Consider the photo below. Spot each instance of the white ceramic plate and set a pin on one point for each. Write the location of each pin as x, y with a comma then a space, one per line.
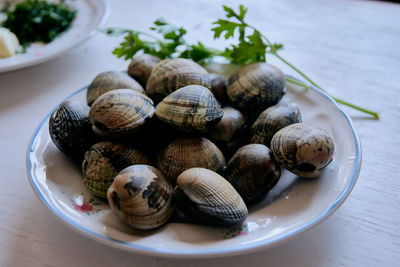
91, 14
292, 207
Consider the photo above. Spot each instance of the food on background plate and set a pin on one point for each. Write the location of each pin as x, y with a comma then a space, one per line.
34, 21
9, 44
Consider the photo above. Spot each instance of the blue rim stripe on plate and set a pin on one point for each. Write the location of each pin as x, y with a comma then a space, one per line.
201, 252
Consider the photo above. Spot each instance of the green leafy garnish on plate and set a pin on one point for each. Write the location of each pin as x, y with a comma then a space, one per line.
171, 44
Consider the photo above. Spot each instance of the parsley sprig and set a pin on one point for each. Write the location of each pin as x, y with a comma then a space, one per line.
171, 44
252, 46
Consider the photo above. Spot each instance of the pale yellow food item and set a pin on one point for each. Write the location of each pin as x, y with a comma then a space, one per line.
9, 43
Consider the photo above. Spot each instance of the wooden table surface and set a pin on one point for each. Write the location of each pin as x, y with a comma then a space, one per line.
350, 47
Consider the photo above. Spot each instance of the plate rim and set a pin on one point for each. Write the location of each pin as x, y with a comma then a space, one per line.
204, 253
103, 18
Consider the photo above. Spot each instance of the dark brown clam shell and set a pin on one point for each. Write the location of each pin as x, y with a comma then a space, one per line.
253, 172
70, 129
218, 87
272, 120
230, 125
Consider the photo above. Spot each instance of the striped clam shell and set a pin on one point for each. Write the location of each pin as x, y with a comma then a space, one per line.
120, 112
141, 67
272, 120
186, 153
206, 197
192, 108
303, 149
70, 129
110, 80
104, 160
172, 74
255, 87
253, 172
141, 196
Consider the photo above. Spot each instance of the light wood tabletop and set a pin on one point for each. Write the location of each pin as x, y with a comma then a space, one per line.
350, 47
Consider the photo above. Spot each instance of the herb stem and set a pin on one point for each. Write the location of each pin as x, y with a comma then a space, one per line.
305, 86
374, 114
273, 52
119, 31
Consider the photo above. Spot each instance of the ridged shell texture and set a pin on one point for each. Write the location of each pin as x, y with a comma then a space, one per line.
141, 196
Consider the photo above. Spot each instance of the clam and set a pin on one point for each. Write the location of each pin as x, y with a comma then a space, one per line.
255, 87
172, 74
253, 172
272, 120
186, 153
110, 80
141, 196
141, 67
104, 160
120, 112
218, 87
192, 108
206, 197
70, 129
230, 125
303, 149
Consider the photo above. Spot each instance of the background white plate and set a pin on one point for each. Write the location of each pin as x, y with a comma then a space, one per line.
292, 207
91, 14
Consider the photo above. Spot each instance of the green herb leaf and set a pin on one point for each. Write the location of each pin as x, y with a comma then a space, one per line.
242, 12
225, 26
171, 43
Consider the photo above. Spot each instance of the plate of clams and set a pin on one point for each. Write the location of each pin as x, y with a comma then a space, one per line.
174, 160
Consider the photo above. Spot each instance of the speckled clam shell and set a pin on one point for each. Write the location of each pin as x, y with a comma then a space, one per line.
172, 74
186, 153
253, 172
256, 86
141, 67
206, 197
192, 108
272, 120
230, 125
104, 160
70, 129
120, 112
110, 80
141, 196
303, 149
